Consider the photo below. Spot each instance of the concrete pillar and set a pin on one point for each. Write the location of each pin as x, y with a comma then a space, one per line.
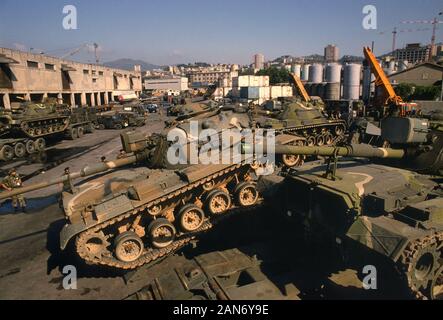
92, 99
106, 97
83, 99
27, 96
72, 99
60, 97
7, 101
99, 99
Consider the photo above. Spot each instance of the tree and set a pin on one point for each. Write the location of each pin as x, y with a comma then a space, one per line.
426, 93
404, 90
409, 91
276, 75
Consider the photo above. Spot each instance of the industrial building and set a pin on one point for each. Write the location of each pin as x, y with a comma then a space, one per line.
424, 74
206, 78
166, 84
259, 61
26, 76
413, 53
331, 53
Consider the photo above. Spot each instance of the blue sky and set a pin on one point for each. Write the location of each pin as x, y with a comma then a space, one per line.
174, 31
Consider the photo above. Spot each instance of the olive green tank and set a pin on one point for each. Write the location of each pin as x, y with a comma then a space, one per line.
33, 120
392, 205
143, 207
303, 119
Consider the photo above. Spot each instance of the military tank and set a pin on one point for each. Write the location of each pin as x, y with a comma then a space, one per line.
24, 128
304, 120
150, 207
180, 110
218, 275
393, 207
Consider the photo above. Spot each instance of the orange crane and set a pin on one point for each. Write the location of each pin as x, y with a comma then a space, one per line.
300, 87
388, 95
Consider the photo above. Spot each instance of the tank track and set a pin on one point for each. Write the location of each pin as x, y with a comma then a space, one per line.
299, 130
409, 258
151, 255
44, 127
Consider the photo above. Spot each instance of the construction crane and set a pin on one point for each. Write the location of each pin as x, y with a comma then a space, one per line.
396, 31
388, 96
300, 87
434, 23
83, 46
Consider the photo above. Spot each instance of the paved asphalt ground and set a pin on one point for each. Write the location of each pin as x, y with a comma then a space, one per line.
31, 262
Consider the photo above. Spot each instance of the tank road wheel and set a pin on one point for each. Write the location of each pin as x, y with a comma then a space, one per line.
80, 132
290, 160
320, 140
339, 130
329, 139
40, 144
73, 133
118, 126
101, 127
190, 218
218, 202
20, 150
128, 246
6, 153
30, 147
310, 141
162, 232
246, 194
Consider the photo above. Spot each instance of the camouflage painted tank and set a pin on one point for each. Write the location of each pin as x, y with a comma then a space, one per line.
191, 109
395, 212
23, 129
306, 120
33, 120
138, 214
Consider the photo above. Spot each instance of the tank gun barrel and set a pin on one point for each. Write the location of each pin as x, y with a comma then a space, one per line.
86, 171
354, 150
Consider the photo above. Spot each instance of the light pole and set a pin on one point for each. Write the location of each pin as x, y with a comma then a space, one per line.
441, 89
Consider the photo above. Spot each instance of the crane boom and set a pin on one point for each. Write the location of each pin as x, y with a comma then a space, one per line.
300, 87
381, 80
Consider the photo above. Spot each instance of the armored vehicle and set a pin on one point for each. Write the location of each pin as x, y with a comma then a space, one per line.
395, 212
188, 109
304, 120
119, 120
150, 207
23, 129
81, 120
218, 275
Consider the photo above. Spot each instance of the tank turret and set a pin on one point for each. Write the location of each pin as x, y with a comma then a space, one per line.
141, 207
392, 211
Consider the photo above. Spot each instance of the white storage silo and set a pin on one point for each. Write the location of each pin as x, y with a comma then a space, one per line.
316, 73
296, 69
333, 72
305, 73
351, 81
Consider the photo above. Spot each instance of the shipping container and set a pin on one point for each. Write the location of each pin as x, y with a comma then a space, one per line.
250, 92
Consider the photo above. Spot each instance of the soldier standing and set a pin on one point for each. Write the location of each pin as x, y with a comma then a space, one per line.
13, 181
67, 186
